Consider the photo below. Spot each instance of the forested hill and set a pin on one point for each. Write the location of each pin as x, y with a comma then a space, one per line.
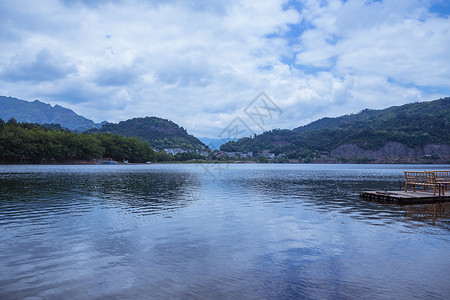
380, 116
32, 143
160, 133
412, 125
43, 113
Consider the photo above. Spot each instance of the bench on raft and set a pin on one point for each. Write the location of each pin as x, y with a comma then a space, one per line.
435, 179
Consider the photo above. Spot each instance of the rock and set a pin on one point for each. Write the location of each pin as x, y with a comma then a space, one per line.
391, 149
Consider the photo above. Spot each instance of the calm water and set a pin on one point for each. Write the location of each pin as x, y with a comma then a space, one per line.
217, 232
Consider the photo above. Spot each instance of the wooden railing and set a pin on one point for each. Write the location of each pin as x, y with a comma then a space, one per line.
443, 178
439, 180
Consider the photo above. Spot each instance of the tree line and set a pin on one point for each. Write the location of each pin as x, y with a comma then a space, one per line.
33, 143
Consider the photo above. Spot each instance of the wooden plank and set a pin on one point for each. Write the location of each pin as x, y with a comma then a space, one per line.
404, 197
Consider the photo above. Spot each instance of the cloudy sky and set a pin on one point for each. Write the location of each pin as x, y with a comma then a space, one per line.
200, 63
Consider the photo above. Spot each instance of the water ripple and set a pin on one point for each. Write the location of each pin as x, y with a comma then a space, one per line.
254, 232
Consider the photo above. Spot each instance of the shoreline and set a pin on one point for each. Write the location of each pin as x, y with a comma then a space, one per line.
316, 162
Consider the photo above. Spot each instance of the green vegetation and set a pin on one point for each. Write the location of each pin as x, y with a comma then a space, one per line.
416, 124
160, 133
32, 143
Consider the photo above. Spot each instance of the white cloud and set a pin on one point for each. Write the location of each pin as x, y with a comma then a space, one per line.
399, 40
43, 66
199, 63
410, 51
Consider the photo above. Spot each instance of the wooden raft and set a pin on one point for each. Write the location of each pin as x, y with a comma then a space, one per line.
437, 181
404, 197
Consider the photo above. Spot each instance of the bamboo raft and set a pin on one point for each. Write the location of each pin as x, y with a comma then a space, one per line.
435, 184
417, 197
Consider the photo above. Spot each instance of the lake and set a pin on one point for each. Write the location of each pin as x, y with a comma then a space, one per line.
238, 231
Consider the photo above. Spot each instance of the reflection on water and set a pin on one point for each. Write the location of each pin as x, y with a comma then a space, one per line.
337, 191
255, 232
145, 193
38, 193
430, 213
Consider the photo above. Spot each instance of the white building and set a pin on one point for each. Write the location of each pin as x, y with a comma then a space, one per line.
174, 151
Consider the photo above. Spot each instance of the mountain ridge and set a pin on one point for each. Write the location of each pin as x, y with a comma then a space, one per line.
413, 125
43, 113
364, 115
160, 133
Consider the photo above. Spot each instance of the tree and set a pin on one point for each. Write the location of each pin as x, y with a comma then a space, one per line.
12, 121
20, 142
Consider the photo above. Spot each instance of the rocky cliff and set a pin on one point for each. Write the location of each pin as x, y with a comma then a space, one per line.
391, 149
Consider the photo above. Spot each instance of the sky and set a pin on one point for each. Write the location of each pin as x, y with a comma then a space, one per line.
203, 63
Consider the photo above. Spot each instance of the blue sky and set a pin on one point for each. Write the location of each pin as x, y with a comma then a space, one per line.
200, 63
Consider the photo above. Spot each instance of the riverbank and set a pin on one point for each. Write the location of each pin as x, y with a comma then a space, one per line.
361, 161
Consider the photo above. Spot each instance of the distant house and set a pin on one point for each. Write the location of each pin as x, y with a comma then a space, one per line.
267, 154
248, 154
233, 154
324, 154
174, 151
204, 153
238, 154
220, 154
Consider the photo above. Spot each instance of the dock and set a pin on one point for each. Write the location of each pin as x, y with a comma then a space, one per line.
410, 197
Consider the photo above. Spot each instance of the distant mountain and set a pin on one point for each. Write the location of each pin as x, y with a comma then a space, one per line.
160, 133
412, 125
43, 113
215, 143
372, 115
